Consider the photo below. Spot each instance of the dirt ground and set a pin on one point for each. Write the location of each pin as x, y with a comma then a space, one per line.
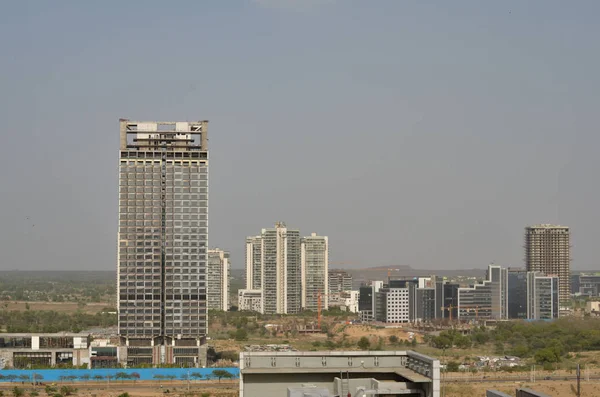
63, 307
357, 331
225, 388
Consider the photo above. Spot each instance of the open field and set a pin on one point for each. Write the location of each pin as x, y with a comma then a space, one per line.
224, 388
61, 307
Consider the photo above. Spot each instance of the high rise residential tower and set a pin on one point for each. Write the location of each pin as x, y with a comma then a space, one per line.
315, 260
218, 279
548, 250
339, 281
162, 239
276, 255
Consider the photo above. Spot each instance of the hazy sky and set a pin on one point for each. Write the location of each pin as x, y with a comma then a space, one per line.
421, 133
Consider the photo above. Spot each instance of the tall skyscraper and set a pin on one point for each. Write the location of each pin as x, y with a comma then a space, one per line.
315, 264
162, 239
218, 279
279, 263
548, 250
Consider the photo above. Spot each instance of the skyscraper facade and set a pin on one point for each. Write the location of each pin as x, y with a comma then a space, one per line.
162, 234
314, 267
548, 250
254, 262
517, 294
218, 276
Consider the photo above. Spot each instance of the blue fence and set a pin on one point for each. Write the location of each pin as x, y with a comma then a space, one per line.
99, 374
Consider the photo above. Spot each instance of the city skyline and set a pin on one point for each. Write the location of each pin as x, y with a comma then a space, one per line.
428, 135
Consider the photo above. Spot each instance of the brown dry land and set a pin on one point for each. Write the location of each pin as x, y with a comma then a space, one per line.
63, 307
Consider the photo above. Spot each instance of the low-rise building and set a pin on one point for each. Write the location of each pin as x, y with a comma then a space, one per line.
592, 308
250, 300
44, 350
346, 300
339, 373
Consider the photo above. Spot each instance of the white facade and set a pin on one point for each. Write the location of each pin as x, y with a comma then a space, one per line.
218, 279
250, 300
314, 260
346, 300
397, 305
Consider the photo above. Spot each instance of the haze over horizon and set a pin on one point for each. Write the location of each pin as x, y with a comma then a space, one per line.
425, 134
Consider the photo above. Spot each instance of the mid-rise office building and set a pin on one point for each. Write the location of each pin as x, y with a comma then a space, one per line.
280, 268
485, 300
548, 250
367, 300
250, 300
314, 259
425, 304
162, 239
517, 293
218, 279
589, 284
543, 294
339, 281
451, 301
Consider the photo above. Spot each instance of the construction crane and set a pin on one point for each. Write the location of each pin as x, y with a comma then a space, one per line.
470, 309
319, 296
449, 308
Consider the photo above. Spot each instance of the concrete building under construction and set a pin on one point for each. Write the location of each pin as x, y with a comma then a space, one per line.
162, 241
548, 250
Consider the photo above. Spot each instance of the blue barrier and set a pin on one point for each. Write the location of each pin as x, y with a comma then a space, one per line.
75, 375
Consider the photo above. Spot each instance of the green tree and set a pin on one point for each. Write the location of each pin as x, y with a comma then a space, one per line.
241, 335
364, 343
98, 377
85, 377
67, 390
547, 355
221, 373
452, 366
121, 375
171, 377
393, 339
196, 375
18, 392
124, 394
135, 376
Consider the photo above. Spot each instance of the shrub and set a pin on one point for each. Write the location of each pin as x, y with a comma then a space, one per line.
18, 392
364, 343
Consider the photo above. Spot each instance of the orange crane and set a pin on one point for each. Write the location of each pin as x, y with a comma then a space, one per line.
472, 308
320, 296
449, 308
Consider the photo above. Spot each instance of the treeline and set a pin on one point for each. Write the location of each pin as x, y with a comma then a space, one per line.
57, 286
546, 342
49, 321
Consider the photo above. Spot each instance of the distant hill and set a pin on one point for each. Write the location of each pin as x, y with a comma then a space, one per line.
360, 276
